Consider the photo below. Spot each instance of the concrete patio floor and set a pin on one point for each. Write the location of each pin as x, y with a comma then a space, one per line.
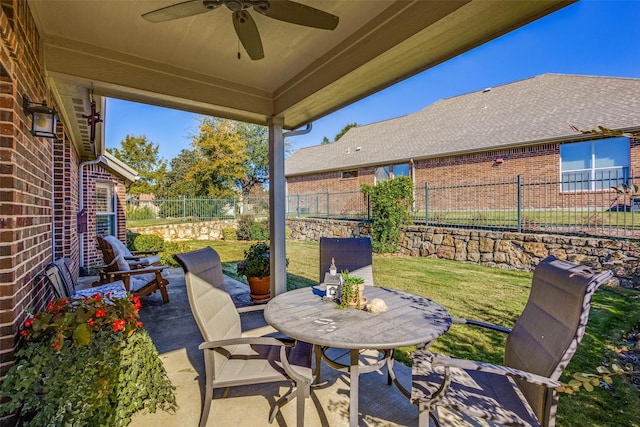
176, 336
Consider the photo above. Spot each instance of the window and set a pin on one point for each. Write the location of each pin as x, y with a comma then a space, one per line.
382, 173
349, 174
105, 213
594, 165
401, 170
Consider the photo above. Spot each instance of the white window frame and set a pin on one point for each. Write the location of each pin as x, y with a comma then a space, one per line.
595, 183
111, 213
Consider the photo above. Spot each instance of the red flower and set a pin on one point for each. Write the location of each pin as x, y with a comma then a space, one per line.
138, 324
101, 312
91, 322
118, 325
97, 296
136, 303
28, 322
50, 306
25, 334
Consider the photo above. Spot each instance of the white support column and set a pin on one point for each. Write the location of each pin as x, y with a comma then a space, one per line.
277, 204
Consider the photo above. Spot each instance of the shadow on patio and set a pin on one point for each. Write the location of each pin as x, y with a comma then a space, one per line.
176, 336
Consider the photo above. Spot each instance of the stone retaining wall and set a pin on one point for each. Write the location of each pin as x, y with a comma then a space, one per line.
312, 229
508, 250
206, 230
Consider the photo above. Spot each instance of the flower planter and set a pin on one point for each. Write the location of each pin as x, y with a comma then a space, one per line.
260, 289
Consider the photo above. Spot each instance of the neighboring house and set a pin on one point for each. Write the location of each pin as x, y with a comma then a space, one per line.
525, 128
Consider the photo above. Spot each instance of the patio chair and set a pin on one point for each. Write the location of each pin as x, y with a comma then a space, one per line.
111, 247
138, 281
350, 253
59, 276
232, 359
538, 348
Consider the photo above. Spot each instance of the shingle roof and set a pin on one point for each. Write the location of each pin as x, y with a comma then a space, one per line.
531, 111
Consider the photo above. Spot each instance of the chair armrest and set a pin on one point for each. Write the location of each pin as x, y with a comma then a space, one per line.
140, 254
461, 321
210, 345
471, 365
152, 269
250, 308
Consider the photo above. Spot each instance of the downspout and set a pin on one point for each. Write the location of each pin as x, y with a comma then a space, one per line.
413, 180
81, 203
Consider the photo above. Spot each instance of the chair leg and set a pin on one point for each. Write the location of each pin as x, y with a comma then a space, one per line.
424, 414
208, 394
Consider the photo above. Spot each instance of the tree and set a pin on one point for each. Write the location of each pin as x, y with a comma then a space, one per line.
256, 166
339, 135
174, 184
142, 155
221, 156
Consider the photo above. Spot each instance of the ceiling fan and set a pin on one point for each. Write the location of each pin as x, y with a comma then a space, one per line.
245, 26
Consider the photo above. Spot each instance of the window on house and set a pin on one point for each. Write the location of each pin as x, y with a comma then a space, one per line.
594, 165
382, 173
350, 174
401, 170
105, 212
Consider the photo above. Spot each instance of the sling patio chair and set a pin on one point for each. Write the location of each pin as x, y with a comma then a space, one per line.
231, 358
355, 255
350, 253
138, 281
59, 276
545, 337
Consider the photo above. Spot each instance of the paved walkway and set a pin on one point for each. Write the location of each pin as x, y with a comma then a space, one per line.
176, 336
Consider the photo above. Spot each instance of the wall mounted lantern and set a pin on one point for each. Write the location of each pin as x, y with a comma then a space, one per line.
43, 121
499, 160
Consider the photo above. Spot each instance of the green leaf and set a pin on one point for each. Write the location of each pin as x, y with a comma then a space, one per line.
81, 335
587, 386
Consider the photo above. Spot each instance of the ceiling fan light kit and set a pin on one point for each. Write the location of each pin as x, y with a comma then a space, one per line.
243, 23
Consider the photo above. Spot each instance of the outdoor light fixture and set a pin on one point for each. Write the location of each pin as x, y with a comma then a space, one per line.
499, 160
43, 121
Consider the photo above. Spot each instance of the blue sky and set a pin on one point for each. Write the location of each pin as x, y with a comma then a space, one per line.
591, 37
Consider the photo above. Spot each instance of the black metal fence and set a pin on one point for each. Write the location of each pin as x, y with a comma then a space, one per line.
518, 204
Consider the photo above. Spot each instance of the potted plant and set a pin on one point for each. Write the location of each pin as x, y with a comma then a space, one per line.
256, 268
351, 291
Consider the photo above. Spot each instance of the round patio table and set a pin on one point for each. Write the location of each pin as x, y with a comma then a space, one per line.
410, 320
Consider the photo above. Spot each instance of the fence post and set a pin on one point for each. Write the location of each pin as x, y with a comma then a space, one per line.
519, 203
184, 208
328, 208
426, 203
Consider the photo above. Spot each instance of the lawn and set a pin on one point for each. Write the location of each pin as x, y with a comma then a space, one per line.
496, 296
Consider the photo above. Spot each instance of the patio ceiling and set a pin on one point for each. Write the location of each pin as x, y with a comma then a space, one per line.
191, 63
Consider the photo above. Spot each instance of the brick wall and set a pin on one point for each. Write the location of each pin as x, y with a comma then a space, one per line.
95, 173
25, 178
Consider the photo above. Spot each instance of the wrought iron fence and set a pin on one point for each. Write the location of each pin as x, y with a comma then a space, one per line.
518, 204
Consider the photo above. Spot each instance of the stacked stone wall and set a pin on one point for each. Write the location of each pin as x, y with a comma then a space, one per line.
507, 250
206, 230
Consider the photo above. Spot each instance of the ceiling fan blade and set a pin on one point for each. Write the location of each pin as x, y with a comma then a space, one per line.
247, 32
297, 13
181, 10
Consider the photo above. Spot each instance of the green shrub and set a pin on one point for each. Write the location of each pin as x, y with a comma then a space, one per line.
229, 234
85, 362
390, 202
147, 242
139, 212
259, 231
171, 248
243, 231
130, 237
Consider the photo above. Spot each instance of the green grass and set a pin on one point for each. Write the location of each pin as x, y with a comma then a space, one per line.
496, 296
